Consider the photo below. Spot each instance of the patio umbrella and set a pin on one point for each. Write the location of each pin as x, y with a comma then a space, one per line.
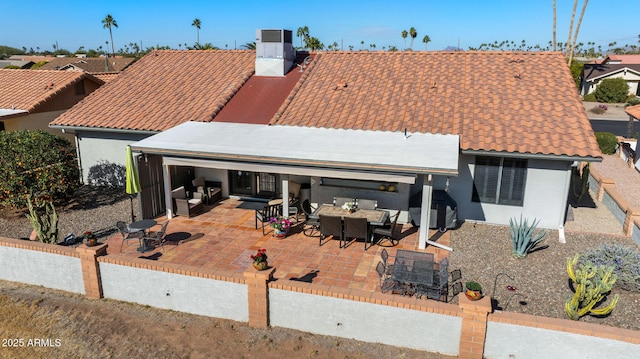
132, 181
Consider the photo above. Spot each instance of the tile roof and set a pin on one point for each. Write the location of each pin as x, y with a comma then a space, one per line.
106, 76
524, 102
633, 111
27, 89
593, 71
624, 59
90, 64
164, 89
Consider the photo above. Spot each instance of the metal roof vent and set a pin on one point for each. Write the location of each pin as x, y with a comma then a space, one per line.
274, 52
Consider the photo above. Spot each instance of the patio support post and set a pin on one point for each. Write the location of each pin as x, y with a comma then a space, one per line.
425, 211
91, 269
285, 195
258, 289
166, 177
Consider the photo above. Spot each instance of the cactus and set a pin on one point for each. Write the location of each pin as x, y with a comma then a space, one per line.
579, 190
592, 284
522, 237
45, 224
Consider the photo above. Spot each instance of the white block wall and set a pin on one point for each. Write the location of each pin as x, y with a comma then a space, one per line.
202, 296
523, 342
365, 321
41, 268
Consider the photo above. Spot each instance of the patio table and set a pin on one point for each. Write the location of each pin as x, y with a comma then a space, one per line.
413, 268
375, 217
143, 225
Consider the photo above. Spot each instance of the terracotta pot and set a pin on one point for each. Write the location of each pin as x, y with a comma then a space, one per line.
473, 294
92, 242
260, 265
280, 233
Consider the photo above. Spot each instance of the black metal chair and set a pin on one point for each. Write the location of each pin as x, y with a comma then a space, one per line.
126, 234
386, 283
265, 214
392, 232
314, 223
157, 237
356, 228
385, 260
330, 226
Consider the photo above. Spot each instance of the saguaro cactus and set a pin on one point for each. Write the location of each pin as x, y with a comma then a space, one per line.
592, 284
43, 218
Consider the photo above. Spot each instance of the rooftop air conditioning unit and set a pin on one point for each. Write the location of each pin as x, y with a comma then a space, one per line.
274, 52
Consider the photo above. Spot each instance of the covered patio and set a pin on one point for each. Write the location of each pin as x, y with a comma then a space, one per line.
223, 238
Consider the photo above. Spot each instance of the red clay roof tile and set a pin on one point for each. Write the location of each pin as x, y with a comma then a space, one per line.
530, 97
164, 89
633, 111
26, 89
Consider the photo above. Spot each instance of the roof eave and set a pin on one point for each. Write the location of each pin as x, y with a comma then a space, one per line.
537, 156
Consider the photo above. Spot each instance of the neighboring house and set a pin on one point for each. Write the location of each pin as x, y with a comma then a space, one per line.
593, 74
346, 122
30, 99
20, 63
613, 59
91, 65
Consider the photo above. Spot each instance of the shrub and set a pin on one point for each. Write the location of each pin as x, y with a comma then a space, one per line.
607, 141
612, 90
524, 236
624, 260
38, 162
633, 100
591, 97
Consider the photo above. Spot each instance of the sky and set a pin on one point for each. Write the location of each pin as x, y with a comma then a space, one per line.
230, 24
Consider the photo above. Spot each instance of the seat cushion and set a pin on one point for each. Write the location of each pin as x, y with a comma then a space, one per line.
195, 201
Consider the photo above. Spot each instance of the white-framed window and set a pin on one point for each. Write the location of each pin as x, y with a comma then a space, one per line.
499, 180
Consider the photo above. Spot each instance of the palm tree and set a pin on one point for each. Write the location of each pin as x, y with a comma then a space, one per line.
413, 33
575, 35
197, 24
362, 45
404, 34
303, 34
573, 16
249, 45
426, 39
554, 25
109, 22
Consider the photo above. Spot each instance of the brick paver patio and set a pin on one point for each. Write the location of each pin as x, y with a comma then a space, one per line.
224, 237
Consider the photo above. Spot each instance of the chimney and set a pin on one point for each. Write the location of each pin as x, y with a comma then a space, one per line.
274, 52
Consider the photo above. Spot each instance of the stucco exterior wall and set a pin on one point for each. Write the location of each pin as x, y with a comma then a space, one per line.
94, 147
365, 321
37, 121
202, 296
631, 78
525, 342
49, 270
545, 195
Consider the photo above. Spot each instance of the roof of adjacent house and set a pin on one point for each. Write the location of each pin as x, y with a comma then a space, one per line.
27, 89
522, 102
623, 59
90, 64
594, 71
164, 89
633, 111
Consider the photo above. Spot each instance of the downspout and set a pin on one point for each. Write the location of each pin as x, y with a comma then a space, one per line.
563, 217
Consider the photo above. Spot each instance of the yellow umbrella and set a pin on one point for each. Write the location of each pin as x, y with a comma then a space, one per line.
132, 181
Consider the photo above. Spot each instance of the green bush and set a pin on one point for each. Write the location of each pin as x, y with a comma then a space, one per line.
591, 97
607, 141
38, 162
612, 91
625, 261
633, 100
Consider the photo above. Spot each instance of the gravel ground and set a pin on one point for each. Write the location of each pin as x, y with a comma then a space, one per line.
482, 252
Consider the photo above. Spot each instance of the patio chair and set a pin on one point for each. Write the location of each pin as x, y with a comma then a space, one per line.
391, 232
366, 204
330, 226
184, 205
126, 234
385, 260
314, 223
439, 291
211, 191
157, 237
386, 283
265, 214
339, 201
357, 228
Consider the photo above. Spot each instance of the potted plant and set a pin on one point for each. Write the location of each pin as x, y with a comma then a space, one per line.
280, 226
473, 290
89, 239
260, 259
349, 206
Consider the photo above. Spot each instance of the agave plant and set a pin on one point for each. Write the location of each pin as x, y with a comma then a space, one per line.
524, 236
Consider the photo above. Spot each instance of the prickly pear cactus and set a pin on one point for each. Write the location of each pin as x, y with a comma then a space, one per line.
592, 284
43, 218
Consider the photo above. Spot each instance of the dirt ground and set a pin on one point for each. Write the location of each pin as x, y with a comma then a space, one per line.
37, 322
